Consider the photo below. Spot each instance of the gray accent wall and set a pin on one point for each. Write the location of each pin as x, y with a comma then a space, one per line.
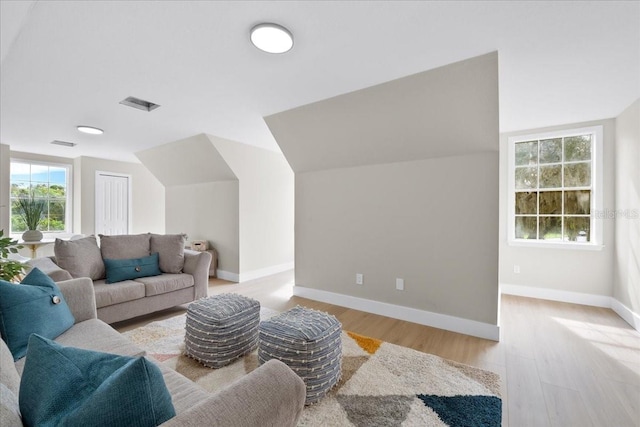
431, 222
626, 268
400, 180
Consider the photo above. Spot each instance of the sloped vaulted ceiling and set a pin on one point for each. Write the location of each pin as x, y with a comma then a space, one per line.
436, 113
192, 160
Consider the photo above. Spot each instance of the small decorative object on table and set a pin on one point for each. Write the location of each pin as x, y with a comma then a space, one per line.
309, 342
221, 328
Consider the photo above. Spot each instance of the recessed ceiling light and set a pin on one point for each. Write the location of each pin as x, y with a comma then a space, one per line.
90, 129
271, 38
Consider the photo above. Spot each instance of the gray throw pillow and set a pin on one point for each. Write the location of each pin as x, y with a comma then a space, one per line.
81, 257
125, 246
170, 248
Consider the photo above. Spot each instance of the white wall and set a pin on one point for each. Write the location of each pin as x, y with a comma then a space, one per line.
571, 270
148, 213
207, 211
626, 283
266, 209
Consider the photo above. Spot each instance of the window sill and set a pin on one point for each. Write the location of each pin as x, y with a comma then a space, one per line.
557, 245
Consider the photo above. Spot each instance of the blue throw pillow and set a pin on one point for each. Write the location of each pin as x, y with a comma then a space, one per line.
127, 269
74, 387
34, 306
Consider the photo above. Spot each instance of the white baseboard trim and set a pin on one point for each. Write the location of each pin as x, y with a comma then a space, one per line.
626, 313
227, 275
267, 271
620, 309
556, 295
436, 320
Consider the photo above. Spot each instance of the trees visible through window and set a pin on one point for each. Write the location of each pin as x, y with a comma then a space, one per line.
553, 187
47, 182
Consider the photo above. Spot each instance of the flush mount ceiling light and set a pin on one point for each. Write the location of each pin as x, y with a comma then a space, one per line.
90, 130
271, 38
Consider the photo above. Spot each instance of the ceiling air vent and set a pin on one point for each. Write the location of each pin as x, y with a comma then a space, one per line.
138, 103
64, 143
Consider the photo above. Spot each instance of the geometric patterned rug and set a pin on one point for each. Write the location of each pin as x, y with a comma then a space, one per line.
382, 384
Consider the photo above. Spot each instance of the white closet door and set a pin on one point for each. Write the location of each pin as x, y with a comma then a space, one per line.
113, 214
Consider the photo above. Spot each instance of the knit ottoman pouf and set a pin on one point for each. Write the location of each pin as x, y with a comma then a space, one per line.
309, 342
221, 328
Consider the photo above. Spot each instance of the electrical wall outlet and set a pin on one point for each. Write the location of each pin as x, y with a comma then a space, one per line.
359, 279
400, 284
516, 269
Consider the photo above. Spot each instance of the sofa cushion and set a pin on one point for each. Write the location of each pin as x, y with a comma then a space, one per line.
35, 306
95, 335
81, 257
166, 283
115, 293
170, 248
9, 388
127, 269
76, 387
125, 246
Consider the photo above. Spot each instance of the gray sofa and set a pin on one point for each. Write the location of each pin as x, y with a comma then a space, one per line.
272, 395
184, 278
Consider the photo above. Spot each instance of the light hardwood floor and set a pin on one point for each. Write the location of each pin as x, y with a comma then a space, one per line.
561, 364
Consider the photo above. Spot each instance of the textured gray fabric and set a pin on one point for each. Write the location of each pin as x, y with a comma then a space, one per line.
81, 258
184, 392
125, 246
9, 389
96, 335
114, 293
197, 264
310, 343
80, 298
221, 328
9, 407
271, 395
8, 374
50, 268
138, 307
170, 248
156, 285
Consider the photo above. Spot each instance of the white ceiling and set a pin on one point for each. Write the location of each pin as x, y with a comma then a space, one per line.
65, 63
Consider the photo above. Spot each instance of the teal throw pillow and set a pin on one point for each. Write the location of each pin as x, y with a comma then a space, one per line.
71, 387
127, 269
36, 306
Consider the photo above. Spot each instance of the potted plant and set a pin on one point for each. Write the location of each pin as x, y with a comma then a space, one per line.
9, 269
31, 210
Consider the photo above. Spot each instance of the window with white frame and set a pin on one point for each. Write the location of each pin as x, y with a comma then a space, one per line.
47, 182
555, 187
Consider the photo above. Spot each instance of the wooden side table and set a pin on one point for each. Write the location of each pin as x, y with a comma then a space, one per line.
214, 262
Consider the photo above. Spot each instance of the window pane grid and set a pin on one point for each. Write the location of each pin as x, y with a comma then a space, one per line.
44, 182
557, 169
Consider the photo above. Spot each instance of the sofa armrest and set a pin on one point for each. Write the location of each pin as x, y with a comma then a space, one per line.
80, 298
48, 266
197, 264
271, 395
